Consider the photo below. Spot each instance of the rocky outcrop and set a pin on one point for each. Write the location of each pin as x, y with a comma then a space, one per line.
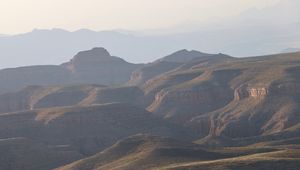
99, 67
259, 92
255, 92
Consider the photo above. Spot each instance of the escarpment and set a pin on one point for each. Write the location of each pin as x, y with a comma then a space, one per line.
181, 105
202, 94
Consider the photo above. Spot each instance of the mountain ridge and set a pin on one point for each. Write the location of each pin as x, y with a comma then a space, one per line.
242, 112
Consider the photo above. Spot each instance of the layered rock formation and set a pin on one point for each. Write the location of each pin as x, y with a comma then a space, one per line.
37, 97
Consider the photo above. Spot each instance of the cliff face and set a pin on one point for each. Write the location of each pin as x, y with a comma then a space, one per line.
245, 91
256, 92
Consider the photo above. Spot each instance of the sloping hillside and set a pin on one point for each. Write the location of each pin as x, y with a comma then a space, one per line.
95, 66
36, 97
26, 154
247, 97
143, 152
152, 152
86, 129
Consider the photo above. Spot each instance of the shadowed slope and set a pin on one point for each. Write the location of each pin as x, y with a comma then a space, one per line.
142, 152
87, 129
151, 152
277, 160
25, 154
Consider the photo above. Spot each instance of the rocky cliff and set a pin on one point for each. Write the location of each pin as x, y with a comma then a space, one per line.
256, 92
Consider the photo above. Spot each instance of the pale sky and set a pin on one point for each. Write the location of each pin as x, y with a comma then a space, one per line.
18, 16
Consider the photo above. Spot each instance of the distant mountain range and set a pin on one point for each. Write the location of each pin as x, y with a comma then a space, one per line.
255, 32
55, 46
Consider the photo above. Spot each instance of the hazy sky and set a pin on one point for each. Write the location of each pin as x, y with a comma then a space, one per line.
18, 16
